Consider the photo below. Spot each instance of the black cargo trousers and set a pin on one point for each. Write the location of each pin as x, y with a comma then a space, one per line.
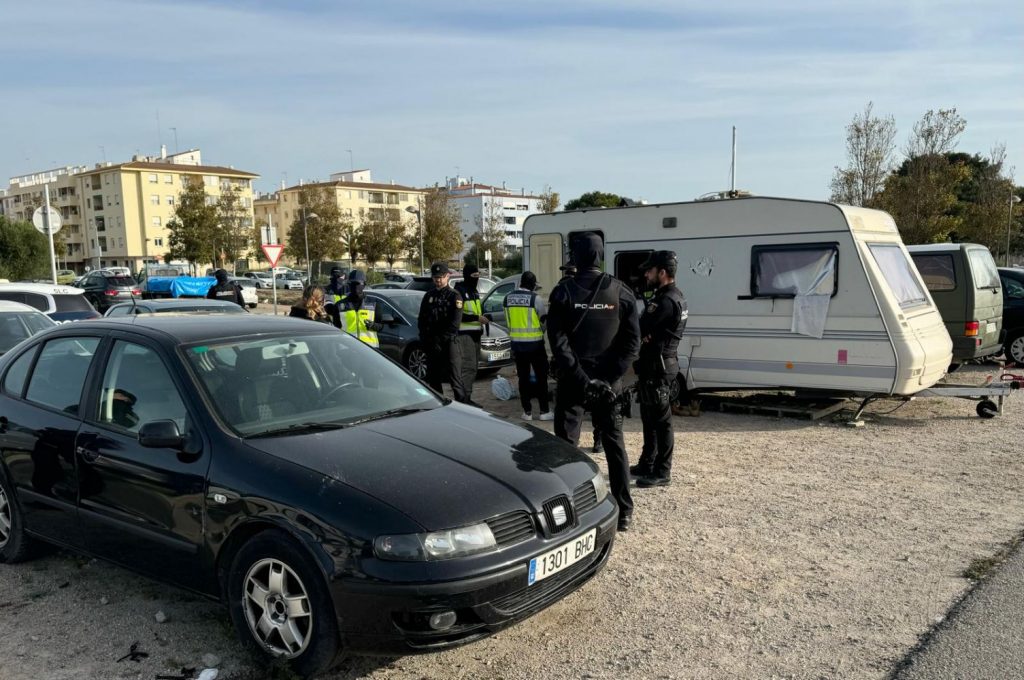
444, 363
569, 402
653, 392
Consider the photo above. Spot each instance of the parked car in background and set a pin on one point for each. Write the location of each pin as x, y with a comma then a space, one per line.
289, 281
399, 311
493, 303
66, 276
104, 288
964, 283
262, 279
398, 277
60, 303
298, 476
174, 306
248, 287
119, 271
19, 322
425, 283
1012, 279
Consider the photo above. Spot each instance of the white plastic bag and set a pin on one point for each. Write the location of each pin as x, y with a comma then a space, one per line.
503, 389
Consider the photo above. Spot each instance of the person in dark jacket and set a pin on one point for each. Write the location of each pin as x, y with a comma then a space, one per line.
225, 290
354, 314
661, 328
472, 326
311, 306
595, 337
568, 272
439, 321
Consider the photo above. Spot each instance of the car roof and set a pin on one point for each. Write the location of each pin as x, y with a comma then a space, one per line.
8, 306
942, 247
186, 329
44, 288
181, 302
394, 292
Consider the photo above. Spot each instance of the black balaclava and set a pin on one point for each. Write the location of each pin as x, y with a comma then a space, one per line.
221, 276
528, 281
357, 289
587, 251
468, 280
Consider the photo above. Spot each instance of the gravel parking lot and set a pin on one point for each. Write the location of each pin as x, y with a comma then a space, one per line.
784, 548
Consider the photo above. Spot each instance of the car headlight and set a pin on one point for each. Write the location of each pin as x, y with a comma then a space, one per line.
437, 545
600, 487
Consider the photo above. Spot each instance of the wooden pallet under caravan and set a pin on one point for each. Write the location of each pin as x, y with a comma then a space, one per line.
782, 293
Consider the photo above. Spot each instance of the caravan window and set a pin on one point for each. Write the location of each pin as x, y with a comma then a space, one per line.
627, 269
898, 273
936, 270
788, 271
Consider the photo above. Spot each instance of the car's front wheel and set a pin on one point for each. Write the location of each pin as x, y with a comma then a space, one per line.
280, 605
14, 544
416, 362
1015, 349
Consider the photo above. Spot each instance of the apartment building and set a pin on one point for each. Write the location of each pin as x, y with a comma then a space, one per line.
484, 205
356, 193
117, 214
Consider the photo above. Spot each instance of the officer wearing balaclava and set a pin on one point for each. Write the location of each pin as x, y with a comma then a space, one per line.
336, 288
594, 334
355, 314
471, 328
225, 290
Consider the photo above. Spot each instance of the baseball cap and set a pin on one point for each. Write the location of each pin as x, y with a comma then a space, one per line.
439, 269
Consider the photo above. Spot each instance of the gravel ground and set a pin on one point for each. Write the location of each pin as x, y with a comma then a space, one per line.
784, 548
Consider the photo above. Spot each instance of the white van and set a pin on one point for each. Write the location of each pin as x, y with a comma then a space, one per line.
782, 293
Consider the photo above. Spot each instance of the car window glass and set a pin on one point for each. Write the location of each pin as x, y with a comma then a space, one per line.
14, 328
983, 268
38, 301
119, 311
37, 322
384, 308
119, 281
936, 271
138, 389
1012, 288
13, 296
14, 381
60, 372
409, 305
496, 299
72, 303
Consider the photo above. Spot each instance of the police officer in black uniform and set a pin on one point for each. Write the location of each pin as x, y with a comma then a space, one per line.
225, 290
472, 326
661, 327
336, 289
439, 320
595, 336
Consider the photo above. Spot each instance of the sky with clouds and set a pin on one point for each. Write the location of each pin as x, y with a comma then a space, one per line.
635, 98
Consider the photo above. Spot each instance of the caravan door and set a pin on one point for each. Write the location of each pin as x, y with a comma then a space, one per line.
546, 258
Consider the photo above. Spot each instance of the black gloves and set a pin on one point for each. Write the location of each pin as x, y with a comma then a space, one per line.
599, 394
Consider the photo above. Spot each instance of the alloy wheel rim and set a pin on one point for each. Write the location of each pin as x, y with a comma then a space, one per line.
5, 519
277, 608
418, 364
1017, 349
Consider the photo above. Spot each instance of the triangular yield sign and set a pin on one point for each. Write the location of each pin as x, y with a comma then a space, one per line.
273, 252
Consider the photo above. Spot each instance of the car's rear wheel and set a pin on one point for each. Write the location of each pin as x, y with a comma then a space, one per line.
1015, 349
280, 604
15, 546
416, 361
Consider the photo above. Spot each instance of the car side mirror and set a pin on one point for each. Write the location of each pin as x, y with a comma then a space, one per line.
161, 434
388, 318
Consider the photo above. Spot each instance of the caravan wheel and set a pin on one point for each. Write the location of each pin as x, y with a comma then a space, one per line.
987, 408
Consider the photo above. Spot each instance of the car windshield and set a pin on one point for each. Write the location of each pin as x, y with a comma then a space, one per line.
16, 326
303, 382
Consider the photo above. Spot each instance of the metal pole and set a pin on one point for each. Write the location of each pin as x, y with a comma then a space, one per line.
733, 187
49, 232
305, 235
273, 270
419, 220
1009, 225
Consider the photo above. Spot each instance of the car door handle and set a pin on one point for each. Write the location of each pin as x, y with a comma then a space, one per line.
87, 454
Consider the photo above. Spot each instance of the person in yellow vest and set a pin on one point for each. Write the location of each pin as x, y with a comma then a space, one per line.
471, 327
355, 314
526, 312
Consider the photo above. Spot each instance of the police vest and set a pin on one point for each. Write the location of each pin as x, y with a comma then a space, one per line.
593, 318
356, 321
523, 320
225, 292
470, 305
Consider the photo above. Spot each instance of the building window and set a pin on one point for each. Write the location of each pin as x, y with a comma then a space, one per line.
97, 202
88, 203
362, 195
158, 242
510, 220
154, 199
117, 199
106, 178
156, 221
152, 178
101, 224
376, 197
120, 243
103, 243
168, 179
522, 206
170, 200
404, 198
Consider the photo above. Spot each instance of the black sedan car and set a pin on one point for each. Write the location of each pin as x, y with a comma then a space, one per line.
103, 289
1012, 279
334, 502
399, 311
174, 306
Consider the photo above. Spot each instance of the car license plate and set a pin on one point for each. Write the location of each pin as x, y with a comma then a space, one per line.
500, 356
990, 328
565, 555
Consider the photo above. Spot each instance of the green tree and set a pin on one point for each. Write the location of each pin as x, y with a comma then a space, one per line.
234, 232
193, 229
594, 199
24, 252
870, 143
442, 239
549, 200
319, 219
381, 235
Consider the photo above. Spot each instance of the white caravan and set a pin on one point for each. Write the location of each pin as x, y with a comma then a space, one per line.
782, 293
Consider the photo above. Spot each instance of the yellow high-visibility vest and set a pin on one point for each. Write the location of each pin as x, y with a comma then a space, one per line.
355, 322
523, 319
471, 307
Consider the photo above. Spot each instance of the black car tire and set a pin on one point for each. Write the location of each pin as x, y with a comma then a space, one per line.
1015, 355
415, 361
17, 546
301, 575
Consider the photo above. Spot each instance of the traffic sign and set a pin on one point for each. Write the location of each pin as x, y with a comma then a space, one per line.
273, 252
55, 223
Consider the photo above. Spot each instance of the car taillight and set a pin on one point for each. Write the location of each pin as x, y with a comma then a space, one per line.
136, 291
110, 292
971, 329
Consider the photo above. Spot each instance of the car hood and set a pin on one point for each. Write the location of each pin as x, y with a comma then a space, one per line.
448, 467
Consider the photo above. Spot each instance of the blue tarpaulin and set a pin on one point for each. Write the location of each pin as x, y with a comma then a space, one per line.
191, 286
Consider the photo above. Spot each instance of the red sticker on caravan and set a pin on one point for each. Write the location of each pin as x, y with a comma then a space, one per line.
842, 356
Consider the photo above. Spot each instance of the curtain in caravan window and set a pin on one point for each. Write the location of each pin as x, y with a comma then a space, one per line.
806, 274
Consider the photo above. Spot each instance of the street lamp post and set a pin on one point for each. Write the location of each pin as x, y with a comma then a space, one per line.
305, 235
1014, 198
419, 222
